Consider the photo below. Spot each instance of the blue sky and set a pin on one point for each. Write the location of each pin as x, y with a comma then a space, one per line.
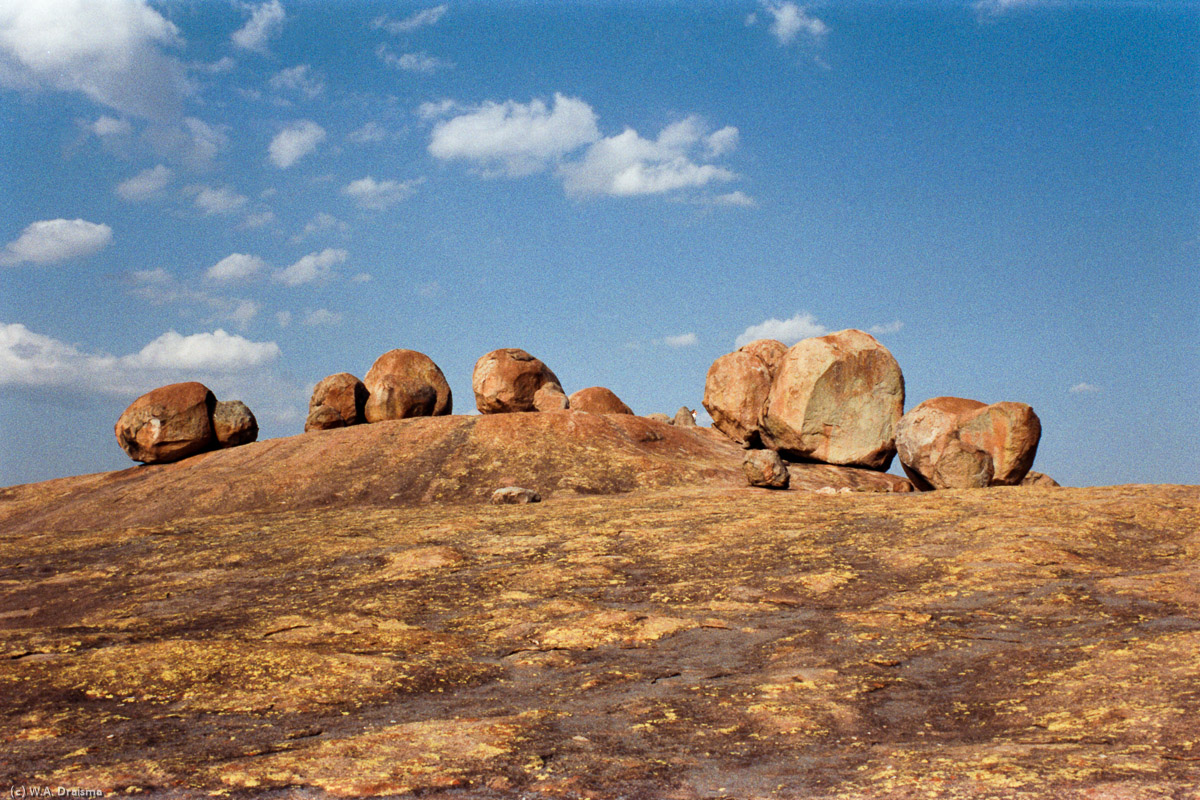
257, 195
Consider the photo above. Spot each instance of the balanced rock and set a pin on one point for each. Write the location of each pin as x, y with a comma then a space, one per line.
168, 423
1039, 479
956, 443
735, 392
838, 399
508, 379
515, 495
550, 397
685, 417
233, 423
344, 395
598, 400
765, 468
405, 383
768, 351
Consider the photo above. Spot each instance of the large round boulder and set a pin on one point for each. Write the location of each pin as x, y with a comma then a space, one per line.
768, 351
344, 396
403, 384
508, 380
598, 400
233, 423
838, 399
168, 423
956, 443
735, 391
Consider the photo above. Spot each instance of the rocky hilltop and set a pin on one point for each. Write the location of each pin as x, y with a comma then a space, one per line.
343, 614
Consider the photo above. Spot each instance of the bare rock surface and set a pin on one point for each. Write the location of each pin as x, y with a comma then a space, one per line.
233, 423
690, 642
168, 423
598, 400
735, 392
344, 395
507, 380
766, 469
404, 383
838, 399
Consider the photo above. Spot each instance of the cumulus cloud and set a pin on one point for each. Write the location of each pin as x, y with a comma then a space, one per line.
377, 195
789, 20
235, 267
515, 138
110, 50
681, 340
216, 200
312, 268
265, 21
145, 184
419, 19
1084, 388
788, 331
738, 198
300, 79
412, 62
31, 359
294, 142
53, 240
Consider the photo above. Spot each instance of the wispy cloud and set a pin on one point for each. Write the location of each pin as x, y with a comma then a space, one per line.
412, 62
789, 331
159, 287
300, 79
236, 267
321, 222
994, 8
266, 20
1084, 388
378, 195
215, 200
294, 142
51, 241
883, 330
312, 268
412, 22
321, 316
681, 340
145, 184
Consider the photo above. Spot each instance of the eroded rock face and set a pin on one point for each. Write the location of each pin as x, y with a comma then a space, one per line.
598, 400
345, 395
838, 399
956, 443
168, 423
403, 384
766, 469
507, 380
233, 423
735, 392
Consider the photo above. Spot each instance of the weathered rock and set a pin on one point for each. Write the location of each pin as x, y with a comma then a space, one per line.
598, 400
658, 416
550, 397
735, 392
765, 468
768, 351
838, 399
956, 443
342, 393
233, 423
685, 417
515, 495
168, 423
323, 418
1039, 479
404, 383
507, 380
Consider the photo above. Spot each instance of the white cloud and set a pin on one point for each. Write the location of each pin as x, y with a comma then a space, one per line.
412, 62
788, 20
52, 240
738, 198
312, 267
110, 50
193, 141
321, 223
362, 277
681, 340
996, 7
626, 164
721, 142
258, 219
295, 142
145, 184
33, 360
159, 287
283, 318
883, 330
216, 200
265, 21
1084, 388
218, 67
369, 133
235, 267
441, 108
788, 331
373, 194
420, 19
516, 138
298, 79
111, 126
321, 316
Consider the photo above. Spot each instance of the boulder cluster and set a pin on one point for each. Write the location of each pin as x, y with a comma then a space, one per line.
839, 399
180, 420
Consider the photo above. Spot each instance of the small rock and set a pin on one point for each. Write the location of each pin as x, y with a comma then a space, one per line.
765, 468
598, 400
658, 416
233, 423
1039, 479
826, 490
685, 418
515, 495
323, 418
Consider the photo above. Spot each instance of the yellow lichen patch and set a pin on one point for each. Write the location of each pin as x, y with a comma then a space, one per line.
613, 627
414, 563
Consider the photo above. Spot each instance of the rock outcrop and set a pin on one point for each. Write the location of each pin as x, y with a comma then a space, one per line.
837, 399
685, 417
343, 395
168, 423
233, 423
598, 400
404, 383
1039, 479
766, 469
957, 443
735, 392
508, 380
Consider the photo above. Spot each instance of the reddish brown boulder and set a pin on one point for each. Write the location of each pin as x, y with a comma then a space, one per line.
685, 417
598, 400
168, 423
766, 469
956, 443
323, 418
403, 384
768, 351
343, 394
735, 391
550, 397
233, 423
507, 380
837, 399
1040, 479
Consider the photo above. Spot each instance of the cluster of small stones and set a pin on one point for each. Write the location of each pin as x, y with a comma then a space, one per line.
839, 399
180, 420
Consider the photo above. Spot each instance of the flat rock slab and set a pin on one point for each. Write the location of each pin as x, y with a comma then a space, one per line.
678, 642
